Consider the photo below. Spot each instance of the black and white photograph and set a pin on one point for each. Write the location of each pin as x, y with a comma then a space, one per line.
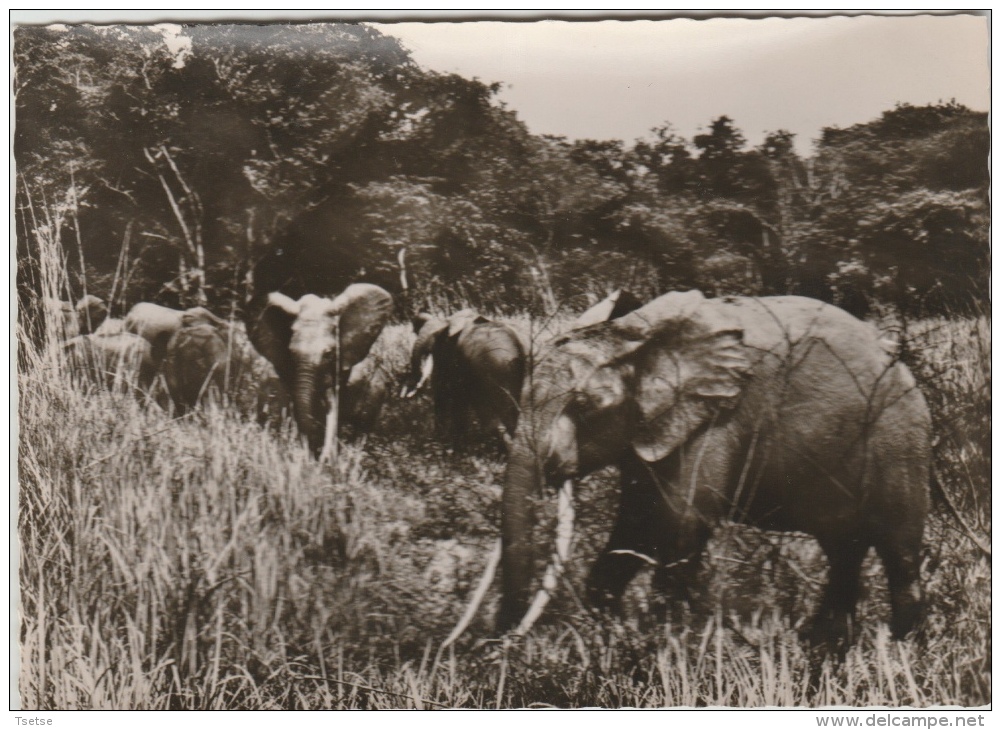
524, 362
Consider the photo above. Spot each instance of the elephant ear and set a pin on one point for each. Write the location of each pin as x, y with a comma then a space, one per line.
462, 319
429, 332
660, 314
693, 366
600, 312
364, 310
617, 304
273, 332
625, 303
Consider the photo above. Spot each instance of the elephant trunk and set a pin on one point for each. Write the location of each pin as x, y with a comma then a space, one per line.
521, 484
538, 456
306, 401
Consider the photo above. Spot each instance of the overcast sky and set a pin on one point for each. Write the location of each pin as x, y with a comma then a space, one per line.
619, 79
616, 79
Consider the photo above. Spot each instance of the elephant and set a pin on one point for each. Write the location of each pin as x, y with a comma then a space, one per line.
198, 359
91, 314
476, 368
364, 395
781, 412
208, 355
314, 343
83, 318
112, 359
156, 323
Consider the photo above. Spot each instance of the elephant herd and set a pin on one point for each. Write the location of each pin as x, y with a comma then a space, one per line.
193, 353
782, 412
186, 357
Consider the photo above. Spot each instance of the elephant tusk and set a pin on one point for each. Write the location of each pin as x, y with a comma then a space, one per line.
474, 603
564, 537
427, 367
645, 558
329, 452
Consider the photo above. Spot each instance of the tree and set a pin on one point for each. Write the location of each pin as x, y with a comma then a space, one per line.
908, 196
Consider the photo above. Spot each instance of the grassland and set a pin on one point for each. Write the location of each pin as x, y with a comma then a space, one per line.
207, 562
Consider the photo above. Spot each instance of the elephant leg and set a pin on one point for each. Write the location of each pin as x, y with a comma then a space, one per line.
615, 567
443, 409
459, 420
687, 507
833, 625
463, 420
680, 558
488, 413
901, 561
630, 545
510, 411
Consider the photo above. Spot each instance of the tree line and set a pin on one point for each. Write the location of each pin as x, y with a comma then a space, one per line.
211, 165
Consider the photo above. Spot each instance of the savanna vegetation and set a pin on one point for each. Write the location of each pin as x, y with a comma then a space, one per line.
208, 561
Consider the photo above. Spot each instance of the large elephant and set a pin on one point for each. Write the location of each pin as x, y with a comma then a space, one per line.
199, 358
314, 343
476, 368
112, 360
156, 323
781, 412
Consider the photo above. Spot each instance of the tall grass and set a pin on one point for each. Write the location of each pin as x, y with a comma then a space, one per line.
208, 562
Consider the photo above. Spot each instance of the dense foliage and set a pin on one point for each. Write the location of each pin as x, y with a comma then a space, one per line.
209, 162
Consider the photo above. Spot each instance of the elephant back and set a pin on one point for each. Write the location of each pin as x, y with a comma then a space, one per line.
784, 324
155, 323
494, 352
495, 357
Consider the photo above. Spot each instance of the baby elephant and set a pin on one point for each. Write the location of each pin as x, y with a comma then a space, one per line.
476, 368
364, 395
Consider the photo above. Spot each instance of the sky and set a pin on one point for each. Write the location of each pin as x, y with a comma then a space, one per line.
620, 79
